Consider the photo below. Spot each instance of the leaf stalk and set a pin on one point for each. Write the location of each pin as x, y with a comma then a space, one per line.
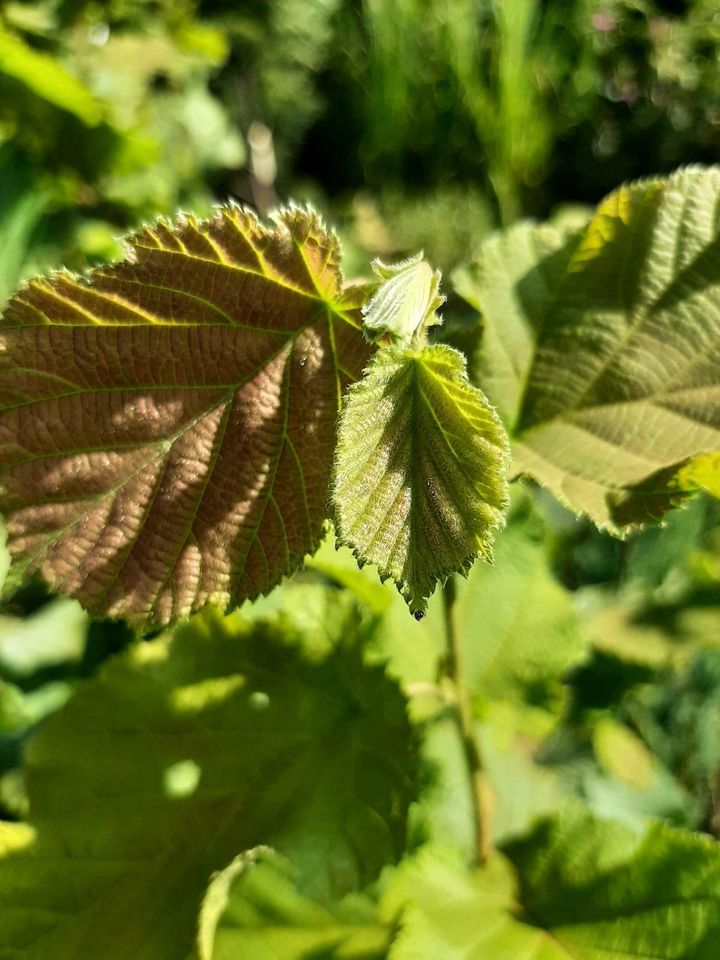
454, 670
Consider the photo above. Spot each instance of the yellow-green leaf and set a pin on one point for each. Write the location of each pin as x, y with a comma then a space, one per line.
584, 890
420, 470
47, 78
184, 752
610, 344
257, 907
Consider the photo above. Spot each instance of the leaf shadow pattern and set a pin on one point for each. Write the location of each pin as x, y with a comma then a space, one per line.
183, 753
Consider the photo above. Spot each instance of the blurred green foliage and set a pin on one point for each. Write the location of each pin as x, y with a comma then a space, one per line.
411, 122
414, 125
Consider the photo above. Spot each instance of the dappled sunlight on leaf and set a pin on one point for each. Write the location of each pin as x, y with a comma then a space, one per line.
167, 425
184, 751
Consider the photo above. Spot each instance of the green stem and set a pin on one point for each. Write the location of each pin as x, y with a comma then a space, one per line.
480, 792
507, 195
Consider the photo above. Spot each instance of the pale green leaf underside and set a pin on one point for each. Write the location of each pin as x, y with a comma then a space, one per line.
511, 285
167, 425
588, 890
184, 752
257, 909
419, 470
607, 346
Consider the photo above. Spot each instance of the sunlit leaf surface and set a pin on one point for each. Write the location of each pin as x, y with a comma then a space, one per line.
605, 347
167, 425
586, 890
257, 908
420, 470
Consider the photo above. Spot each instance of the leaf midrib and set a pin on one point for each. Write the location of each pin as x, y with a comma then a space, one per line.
634, 327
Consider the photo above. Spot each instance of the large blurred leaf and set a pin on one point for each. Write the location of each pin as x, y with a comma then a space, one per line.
587, 891
603, 891
167, 426
183, 753
617, 363
419, 470
257, 908
516, 623
317, 613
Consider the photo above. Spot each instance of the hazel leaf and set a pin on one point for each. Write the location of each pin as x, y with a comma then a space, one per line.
184, 751
258, 907
167, 424
420, 470
601, 349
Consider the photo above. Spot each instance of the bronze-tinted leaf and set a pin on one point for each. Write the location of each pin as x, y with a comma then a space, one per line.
167, 424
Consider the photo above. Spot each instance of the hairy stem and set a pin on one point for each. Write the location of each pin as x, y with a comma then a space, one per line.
481, 794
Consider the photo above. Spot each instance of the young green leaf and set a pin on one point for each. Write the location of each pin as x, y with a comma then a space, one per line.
419, 470
257, 907
184, 752
612, 340
167, 425
405, 303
